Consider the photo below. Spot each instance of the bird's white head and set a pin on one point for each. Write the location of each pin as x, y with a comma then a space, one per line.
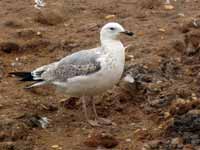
111, 30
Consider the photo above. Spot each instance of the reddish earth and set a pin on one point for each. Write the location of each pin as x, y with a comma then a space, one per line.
160, 110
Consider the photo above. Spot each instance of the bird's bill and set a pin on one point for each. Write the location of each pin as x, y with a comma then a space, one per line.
128, 33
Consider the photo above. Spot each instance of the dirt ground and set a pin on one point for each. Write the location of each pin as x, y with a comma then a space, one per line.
159, 111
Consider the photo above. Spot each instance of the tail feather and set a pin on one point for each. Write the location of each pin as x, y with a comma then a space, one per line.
25, 76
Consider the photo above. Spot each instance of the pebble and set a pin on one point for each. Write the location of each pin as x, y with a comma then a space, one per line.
196, 23
176, 141
110, 16
168, 7
56, 147
128, 140
181, 14
166, 115
161, 30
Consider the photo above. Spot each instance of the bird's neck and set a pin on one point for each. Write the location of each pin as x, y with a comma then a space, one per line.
112, 46
107, 42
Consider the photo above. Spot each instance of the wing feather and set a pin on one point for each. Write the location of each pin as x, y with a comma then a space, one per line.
80, 63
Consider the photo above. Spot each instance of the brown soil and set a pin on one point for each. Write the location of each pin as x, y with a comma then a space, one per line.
160, 110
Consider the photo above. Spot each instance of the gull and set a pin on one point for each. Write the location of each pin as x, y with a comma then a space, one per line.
86, 73
39, 4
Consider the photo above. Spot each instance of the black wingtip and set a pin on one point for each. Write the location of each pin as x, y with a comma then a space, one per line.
25, 76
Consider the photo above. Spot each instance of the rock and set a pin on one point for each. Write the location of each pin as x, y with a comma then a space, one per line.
56, 147
101, 139
26, 33
154, 144
128, 140
161, 30
181, 14
177, 141
169, 68
110, 17
129, 79
179, 45
49, 17
196, 23
12, 24
34, 120
192, 42
187, 123
38, 121
168, 7
9, 47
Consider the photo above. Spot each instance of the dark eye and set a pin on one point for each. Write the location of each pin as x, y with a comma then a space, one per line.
111, 28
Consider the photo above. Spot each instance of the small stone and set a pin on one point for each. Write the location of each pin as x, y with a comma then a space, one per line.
177, 141
194, 97
128, 78
128, 140
179, 45
154, 144
110, 16
36, 121
181, 14
166, 115
168, 7
196, 23
38, 33
55, 146
129, 57
133, 124
162, 30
